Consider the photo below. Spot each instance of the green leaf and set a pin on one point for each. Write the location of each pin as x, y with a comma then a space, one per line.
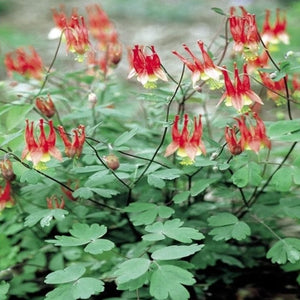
30, 176
228, 226
134, 284
285, 130
13, 116
68, 274
81, 234
285, 250
200, 185
146, 213
4, 287
45, 216
99, 246
168, 280
249, 174
218, 11
222, 219
106, 193
155, 181
181, 197
125, 137
175, 252
173, 230
168, 174
85, 287
132, 269
62, 292
283, 179
83, 192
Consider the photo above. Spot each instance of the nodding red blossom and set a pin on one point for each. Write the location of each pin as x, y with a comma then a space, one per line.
146, 67
261, 61
238, 93
274, 88
186, 146
277, 33
74, 148
40, 151
253, 137
244, 33
46, 107
233, 143
28, 65
101, 28
74, 30
6, 199
205, 70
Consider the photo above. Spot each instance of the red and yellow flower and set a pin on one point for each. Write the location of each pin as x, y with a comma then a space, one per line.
277, 33
147, 67
40, 151
6, 199
206, 70
238, 93
187, 147
244, 33
74, 148
46, 107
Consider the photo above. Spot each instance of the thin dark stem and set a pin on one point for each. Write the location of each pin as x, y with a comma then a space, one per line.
104, 164
226, 43
165, 129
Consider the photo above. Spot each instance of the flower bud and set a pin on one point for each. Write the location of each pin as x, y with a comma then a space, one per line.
92, 98
46, 107
112, 161
6, 170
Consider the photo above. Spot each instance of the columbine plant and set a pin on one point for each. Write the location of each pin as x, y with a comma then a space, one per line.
176, 192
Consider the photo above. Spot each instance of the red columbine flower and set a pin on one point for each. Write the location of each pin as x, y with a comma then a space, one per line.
244, 33
239, 93
40, 151
46, 107
274, 88
206, 71
253, 137
186, 146
74, 29
277, 33
146, 67
233, 143
73, 149
23, 63
6, 199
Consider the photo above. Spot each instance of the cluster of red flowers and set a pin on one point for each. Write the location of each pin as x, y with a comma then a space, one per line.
40, 151
28, 65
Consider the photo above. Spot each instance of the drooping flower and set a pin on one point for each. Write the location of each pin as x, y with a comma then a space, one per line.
46, 107
40, 151
146, 67
28, 65
253, 137
238, 93
261, 61
277, 33
274, 88
187, 147
74, 148
206, 70
6, 199
7, 169
233, 143
74, 30
244, 33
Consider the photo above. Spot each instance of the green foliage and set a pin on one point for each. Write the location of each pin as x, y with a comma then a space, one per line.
148, 226
227, 226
